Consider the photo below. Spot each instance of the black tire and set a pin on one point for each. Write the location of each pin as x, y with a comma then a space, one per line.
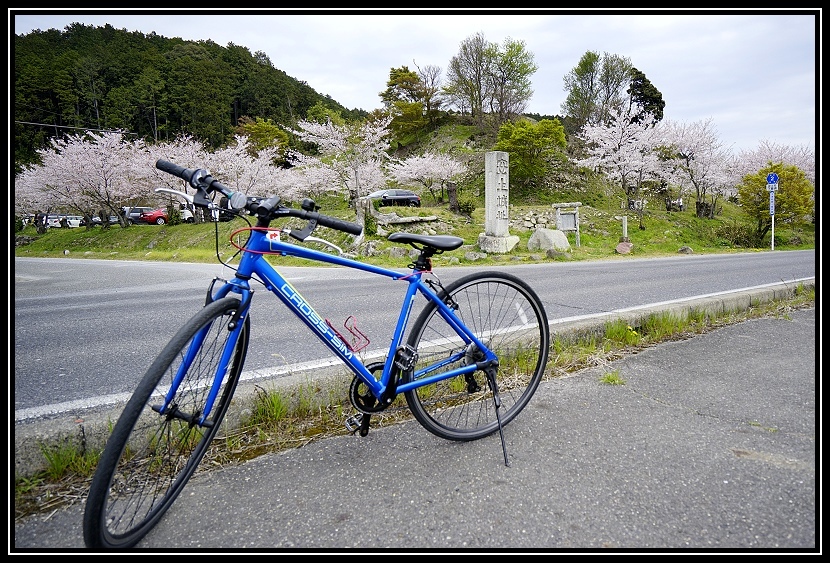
506, 314
160, 221
136, 480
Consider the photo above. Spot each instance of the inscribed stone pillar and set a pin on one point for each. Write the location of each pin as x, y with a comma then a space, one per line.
496, 193
496, 237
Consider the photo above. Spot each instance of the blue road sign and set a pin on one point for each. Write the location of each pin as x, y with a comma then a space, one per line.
772, 178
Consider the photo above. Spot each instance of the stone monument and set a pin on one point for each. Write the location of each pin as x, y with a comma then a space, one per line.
496, 238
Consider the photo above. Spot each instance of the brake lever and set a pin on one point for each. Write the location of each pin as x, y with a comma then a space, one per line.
187, 197
315, 239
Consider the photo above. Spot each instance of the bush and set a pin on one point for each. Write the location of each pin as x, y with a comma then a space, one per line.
370, 225
467, 204
738, 234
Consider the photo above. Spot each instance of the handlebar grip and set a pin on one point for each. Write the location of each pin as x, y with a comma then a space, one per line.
197, 178
340, 224
174, 169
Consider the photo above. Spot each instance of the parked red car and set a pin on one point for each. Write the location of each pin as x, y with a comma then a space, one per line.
154, 217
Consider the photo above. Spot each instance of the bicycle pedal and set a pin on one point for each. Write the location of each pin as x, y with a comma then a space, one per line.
353, 422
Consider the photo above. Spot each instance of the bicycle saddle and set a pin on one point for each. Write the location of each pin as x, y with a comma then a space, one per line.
439, 242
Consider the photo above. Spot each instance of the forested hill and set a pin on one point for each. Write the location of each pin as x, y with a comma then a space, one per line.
102, 78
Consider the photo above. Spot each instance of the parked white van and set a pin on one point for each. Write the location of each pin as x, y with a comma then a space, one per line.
54, 221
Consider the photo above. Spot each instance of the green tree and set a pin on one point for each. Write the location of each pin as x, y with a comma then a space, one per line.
408, 120
490, 79
533, 151
509, 71
263, 134
596, 87
645, 97
149, 88
91, 85
201, 106
119, 108
403, 84
321, 113
404, 98
794, 200
467, 77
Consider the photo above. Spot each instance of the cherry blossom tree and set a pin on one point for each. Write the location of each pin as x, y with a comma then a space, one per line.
30, 199
86, 173
315, 181
627, 151
240, 165
702, 162
430, 170
252, 172
750, 162
353, 153
184, 150
99, 173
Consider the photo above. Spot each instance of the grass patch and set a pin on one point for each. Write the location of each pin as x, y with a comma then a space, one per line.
612, 378
67, 458
600, 232
622, 333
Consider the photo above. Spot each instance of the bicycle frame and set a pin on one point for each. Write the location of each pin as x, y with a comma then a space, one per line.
264, 242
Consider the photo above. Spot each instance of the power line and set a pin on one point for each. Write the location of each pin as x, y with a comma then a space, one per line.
69, 127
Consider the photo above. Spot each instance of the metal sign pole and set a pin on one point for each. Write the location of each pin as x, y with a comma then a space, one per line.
772, 187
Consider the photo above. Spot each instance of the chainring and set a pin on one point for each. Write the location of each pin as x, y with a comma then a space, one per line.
361, 396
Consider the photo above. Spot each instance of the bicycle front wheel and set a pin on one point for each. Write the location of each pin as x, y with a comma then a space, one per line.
150, 456
509, 318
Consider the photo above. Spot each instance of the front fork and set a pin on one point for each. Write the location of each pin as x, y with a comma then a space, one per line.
235, 328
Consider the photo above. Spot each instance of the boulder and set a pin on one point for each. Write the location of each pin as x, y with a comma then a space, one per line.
547, 239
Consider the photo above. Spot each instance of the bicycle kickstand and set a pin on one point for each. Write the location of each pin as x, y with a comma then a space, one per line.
491, 380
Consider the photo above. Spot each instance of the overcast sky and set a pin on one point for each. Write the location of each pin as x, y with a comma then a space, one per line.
754, 73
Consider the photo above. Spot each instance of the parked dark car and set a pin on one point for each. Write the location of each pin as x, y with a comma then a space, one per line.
154, 217
396, 197
133, 214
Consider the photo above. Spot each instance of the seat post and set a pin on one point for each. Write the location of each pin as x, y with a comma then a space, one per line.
424, 261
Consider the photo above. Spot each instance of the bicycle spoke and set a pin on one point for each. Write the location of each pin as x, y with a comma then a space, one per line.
509, 319
153, 451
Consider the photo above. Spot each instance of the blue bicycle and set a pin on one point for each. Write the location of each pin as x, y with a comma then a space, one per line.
469, 363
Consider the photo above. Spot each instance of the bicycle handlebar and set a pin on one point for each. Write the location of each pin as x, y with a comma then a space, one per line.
331, 222
264, 209
197, 178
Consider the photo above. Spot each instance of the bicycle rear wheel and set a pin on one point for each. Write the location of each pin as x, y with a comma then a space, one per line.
150, 456
506, 315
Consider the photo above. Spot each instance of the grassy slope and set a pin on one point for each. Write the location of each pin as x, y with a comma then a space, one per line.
600, 232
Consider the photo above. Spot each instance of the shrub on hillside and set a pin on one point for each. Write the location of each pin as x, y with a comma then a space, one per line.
466, 204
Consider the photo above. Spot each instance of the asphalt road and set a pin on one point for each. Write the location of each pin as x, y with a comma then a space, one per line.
86, 330
709, 445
